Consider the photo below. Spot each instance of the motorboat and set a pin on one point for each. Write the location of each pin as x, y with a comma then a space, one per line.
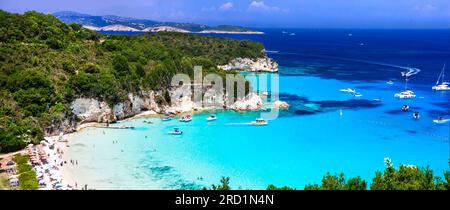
186, 118
259, 122
416, 115
211, 118
348, 90
441, 120
405, 94
441, 84
405, 108
176, 131
166, 118
357, 95
390, 82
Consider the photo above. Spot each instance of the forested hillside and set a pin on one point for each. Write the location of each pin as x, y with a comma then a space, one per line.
45, 64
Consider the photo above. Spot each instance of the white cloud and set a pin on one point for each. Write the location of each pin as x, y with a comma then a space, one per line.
261, 6
226, 6
425, 9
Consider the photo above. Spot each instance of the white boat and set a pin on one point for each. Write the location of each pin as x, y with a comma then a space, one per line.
176, 131
259, 122
405, 94
186, 118
211, 118
357, 95
390, 82
441, 84
441, 120
416, 115
348, 90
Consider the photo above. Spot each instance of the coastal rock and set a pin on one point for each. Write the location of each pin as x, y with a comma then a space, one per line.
251, 102
253, 65
92, 110
280, 105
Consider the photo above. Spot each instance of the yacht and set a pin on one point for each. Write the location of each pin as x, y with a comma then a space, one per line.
405, 94
211, 118
259, 122
441, 84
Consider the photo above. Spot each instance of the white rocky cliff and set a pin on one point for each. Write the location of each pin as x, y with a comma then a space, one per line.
253, 65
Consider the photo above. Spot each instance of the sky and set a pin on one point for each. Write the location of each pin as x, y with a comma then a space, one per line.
261, 13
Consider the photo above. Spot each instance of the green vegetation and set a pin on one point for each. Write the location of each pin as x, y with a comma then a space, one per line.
404, 178
27, 177
224, 185
45, 64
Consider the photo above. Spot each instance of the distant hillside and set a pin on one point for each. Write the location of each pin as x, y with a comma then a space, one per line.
116, 23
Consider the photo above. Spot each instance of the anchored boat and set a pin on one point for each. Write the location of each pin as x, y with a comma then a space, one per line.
259, 122
176, 131
186, 118
211, 118
441, 84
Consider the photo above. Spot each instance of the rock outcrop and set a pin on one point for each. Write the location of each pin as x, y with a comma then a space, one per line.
253, 65
280, 105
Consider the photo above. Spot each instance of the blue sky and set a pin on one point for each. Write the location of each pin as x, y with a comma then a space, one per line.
261, 13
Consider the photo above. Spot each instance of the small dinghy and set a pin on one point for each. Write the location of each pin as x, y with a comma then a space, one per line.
211, 118
176, 131
405, 108
416, 115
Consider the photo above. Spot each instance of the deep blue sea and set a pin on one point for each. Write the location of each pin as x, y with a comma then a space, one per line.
324, 130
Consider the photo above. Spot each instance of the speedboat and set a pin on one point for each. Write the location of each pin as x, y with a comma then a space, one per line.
357, 95
390, 82
348, 90
176, 131
405, 94
211, 118
441, 120
441, 84
186, 118
416, 115
259, 122
405, 108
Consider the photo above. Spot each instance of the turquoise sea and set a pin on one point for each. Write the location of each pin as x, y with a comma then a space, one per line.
304, 142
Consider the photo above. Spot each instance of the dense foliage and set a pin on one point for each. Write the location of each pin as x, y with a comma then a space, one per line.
45, 64
403, 178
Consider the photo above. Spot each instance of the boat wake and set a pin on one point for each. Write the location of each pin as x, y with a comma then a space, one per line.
238, 124
410, 71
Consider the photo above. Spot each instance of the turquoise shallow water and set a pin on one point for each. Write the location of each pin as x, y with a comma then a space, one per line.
297, 148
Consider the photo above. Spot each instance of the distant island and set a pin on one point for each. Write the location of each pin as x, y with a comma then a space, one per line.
117, 23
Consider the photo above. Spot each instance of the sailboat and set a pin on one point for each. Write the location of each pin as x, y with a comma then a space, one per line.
406, 93
441, 84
